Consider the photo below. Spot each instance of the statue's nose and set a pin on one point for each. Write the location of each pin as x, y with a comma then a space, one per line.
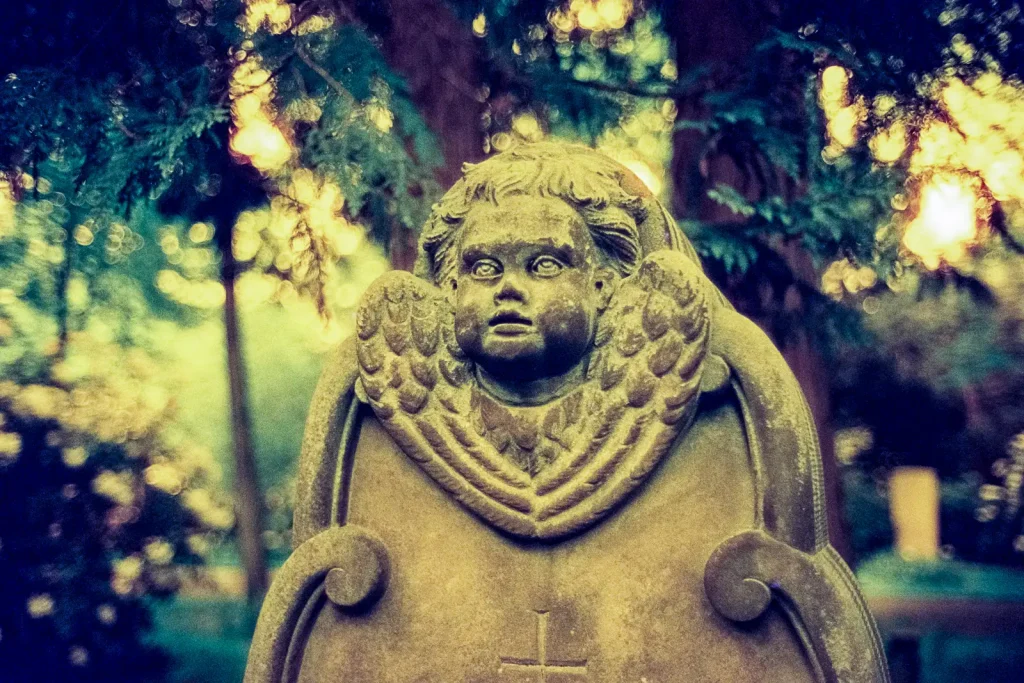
511, 289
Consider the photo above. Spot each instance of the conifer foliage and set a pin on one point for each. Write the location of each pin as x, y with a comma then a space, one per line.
317, 115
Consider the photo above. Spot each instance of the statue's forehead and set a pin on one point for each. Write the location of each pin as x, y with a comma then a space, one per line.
524, 219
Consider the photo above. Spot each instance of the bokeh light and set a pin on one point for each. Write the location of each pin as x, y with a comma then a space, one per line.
257, 134
591, 15
947, 223
274, 16
961, 153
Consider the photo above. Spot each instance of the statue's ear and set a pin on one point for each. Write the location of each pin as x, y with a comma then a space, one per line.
604, 282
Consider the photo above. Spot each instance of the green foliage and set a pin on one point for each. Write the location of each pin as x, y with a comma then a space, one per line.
103, 503
96, 502
733, 250
581, 82
370, 138
168, 149
129, 109
786, 197
832, 207
948, 338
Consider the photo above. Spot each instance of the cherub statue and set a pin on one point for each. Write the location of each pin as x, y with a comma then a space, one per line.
555, 453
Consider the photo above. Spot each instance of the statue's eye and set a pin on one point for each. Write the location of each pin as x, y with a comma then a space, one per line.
485, 269
547, 266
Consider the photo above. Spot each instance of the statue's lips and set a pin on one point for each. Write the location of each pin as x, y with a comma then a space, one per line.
510, 324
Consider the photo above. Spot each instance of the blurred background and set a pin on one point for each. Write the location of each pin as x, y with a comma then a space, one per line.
194, 194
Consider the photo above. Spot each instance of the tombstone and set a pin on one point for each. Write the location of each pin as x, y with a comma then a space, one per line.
556, 453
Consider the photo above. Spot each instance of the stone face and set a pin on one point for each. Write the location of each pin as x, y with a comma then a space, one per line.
556, 454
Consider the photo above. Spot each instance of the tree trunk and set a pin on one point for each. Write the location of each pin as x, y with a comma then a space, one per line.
438, 56
67, 269
248, 495
720, 36
63, 282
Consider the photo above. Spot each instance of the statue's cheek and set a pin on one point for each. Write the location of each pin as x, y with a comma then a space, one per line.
568, 321
468, 324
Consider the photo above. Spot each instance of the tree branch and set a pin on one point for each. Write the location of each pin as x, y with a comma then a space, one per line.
324, 74
636, 90
998, 221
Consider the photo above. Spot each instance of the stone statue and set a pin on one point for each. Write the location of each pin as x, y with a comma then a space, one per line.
557, 454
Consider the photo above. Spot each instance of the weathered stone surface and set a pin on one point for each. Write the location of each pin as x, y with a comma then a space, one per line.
556, 454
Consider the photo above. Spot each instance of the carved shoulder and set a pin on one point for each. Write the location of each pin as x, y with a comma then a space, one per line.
786, 558
781, 434
331, 415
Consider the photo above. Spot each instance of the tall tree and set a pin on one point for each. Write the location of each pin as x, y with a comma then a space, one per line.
209, 108
716, 42
438, 55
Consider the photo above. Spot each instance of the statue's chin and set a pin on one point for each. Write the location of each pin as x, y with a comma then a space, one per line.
527, 380
510, 368
509, 356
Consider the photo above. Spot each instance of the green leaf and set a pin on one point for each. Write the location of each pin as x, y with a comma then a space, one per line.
727, 196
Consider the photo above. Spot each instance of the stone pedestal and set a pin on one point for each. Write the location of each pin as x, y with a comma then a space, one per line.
557, 454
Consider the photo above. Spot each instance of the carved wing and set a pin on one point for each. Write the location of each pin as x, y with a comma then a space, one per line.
644, 380
418, 381
595, 445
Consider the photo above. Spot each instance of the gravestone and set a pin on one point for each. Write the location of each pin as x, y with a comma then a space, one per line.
556, 453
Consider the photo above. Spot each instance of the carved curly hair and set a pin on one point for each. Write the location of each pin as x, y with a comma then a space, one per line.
586, 180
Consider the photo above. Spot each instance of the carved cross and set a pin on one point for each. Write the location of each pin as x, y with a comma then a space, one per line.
541, 666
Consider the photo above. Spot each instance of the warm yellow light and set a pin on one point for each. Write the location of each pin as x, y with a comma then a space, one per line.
835, 86
563, 21
527, 127
166, 477
614, 13
988, 118
947, 223
937, 146
845, 123
843, 276
589, 18
247, 106
245, 245
255, 288
835, 79
842, 127
305, 186
591, 15
200, 232
200, 294
283, 219
264, 144
257, 135
314, 24
883, 104
275, 15
324, 211
380, 116
318, 203
644, 173
169, 243
6, 209
250, 77
889, 144
480, 25
843, 115
40, 605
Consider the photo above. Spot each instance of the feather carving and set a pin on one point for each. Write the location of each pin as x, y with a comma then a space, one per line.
539, 471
